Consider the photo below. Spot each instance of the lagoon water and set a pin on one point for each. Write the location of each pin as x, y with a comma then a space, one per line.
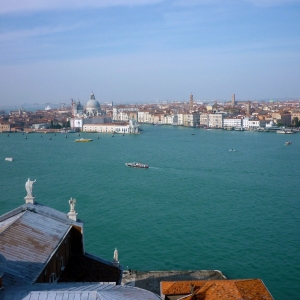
198, 206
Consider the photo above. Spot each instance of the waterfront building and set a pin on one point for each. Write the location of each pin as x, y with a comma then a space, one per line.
233, 122
5, 127
41, 126
175, 120
215, 120
204, 119
253, 123
169, 120
144, 116
180, 118
282, 117
117, 127
191, 119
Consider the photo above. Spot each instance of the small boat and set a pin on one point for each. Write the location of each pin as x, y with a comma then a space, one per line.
288, 143
137, 165
9, 159
83, 140
231, 150
193, 133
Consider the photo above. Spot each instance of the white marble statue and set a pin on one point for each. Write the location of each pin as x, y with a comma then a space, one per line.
116, 254
28, 187
72, 203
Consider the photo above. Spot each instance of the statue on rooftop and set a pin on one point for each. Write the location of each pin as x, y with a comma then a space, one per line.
116, 254
28, 187
72, 203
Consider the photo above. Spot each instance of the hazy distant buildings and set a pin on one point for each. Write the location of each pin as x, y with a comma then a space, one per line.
233, 100
191, 102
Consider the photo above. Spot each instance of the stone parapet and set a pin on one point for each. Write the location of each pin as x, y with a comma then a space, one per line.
150, 280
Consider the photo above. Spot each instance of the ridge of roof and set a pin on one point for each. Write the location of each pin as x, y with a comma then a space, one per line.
42, 210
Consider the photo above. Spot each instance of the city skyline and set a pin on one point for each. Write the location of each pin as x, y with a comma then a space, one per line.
149, 50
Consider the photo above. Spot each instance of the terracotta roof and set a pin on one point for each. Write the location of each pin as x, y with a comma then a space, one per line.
247, 289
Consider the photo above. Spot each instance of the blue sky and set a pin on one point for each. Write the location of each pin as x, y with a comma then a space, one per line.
133, 51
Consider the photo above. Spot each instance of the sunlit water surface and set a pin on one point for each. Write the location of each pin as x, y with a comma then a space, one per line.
198, 206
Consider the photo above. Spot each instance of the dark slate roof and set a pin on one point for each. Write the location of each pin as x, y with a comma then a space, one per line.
29, 235
88, 268
96, 291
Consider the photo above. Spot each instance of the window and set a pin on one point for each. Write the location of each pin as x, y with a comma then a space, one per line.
62, 266
52, 278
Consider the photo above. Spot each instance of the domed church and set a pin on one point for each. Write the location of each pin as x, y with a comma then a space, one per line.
92, 107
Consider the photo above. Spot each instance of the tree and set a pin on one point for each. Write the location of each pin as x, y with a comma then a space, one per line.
296, 122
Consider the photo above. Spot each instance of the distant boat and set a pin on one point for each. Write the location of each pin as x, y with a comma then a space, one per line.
9, 159
288, 143
137, 165
238, 128
47, 107
83, 140
232, 150
285, 131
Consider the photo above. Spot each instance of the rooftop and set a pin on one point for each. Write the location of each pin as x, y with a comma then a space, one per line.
245, 289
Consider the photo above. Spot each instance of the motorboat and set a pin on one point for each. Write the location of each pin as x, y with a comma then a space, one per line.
285, 131
288, 143
83, 140
9, 159
137, 165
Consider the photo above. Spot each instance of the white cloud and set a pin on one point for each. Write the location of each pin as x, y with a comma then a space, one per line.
17, 6
35, 32
272, 2
233, 2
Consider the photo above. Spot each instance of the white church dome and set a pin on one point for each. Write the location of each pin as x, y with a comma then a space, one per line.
92, 104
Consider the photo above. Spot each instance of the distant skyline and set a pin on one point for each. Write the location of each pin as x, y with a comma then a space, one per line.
141, 51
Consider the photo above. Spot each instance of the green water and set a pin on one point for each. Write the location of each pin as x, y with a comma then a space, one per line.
199, 206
